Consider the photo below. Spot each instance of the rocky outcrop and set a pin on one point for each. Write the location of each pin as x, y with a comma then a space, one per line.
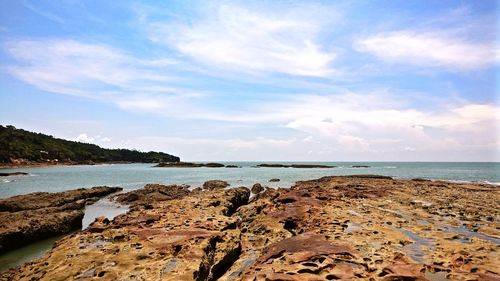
27, 218
191, 238
152, 193
215, 184
274, 180
189, 165
257, 188
13, 174
301, 166
348, 227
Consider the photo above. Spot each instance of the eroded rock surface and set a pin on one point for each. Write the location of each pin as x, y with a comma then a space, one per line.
151, 193
27, 218
350, 228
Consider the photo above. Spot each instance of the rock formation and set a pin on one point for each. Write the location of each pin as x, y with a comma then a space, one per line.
215, 184
349, 227
25, 219
301, 166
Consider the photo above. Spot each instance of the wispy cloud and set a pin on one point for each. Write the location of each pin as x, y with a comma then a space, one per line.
90, 70
248, 39
430, 49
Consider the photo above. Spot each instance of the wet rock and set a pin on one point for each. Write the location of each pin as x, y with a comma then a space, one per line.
300, 166
257, 188
40, 200
152, 193
274, 180
232, 166
188, 165
360, 166
213, 165
13, 174
215, 184
25, 219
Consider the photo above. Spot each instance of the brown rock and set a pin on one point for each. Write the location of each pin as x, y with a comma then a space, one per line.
215, 184
344, 227
25, 219
13, 174
152, 193
257, 188
191, 238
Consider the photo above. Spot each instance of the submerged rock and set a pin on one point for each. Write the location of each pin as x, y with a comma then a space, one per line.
25, 219
274, 180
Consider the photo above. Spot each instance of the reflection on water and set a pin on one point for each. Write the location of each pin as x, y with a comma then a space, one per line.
27, 253
103, 207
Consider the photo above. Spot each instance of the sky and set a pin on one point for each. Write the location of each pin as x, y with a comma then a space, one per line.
258, 80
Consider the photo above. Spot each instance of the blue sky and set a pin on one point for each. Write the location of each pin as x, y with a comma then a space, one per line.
257, 80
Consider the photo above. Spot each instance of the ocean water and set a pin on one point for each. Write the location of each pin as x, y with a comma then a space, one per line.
132, 176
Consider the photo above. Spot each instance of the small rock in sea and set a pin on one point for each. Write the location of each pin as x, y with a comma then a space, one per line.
257, 188
274, 180
13, 174
215, 184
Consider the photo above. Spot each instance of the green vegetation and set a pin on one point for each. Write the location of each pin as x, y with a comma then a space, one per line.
21, 144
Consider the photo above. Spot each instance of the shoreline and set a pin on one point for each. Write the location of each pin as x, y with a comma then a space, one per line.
62, 164
385, 228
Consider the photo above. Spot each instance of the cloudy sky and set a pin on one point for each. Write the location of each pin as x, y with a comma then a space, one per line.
251, 80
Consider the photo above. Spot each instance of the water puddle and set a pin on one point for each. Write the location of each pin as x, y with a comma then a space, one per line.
103, 207
352, 227
466, 234
354, 213
436, 276
415, 249
27, 253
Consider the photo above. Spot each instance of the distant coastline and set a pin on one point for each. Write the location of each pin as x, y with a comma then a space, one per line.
21, 148
32, 164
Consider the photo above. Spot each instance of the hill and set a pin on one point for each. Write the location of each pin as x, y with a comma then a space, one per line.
17, 145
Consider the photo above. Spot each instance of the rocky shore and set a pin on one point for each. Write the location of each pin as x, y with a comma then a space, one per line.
191, 165
25, 219
351, 228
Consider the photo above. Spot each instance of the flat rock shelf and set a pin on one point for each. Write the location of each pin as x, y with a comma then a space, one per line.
352, 228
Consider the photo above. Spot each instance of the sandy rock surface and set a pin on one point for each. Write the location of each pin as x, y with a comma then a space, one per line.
349, 228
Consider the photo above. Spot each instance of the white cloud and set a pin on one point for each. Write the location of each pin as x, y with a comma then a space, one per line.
85, 69
432, 49
254, 40
95, 140
84, 138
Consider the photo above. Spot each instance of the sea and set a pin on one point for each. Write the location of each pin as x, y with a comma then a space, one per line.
133, 176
